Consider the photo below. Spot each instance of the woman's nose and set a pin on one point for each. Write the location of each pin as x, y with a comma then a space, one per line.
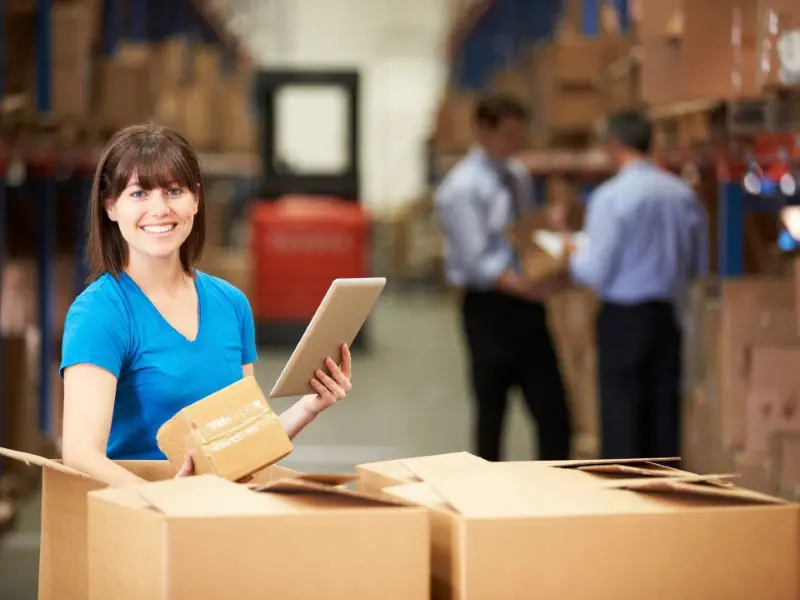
158, 203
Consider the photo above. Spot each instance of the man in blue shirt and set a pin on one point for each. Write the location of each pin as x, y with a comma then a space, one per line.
646, 239
503, 318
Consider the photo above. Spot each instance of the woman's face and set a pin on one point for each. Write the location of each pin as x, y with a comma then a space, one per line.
154, 223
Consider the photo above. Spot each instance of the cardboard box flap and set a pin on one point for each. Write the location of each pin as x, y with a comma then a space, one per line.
333, 479
418, 494
608, 461
38, 461
429, 468
653, 470
520, 233
202, 496
507, 496
698, 485
303, 486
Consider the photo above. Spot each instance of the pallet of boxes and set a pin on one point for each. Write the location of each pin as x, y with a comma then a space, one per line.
742, 408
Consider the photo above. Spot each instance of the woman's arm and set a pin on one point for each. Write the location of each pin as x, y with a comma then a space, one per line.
330, 389
89, 393
296, 417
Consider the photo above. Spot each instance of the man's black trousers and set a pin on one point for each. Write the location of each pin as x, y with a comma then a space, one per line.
639, 357
509, 344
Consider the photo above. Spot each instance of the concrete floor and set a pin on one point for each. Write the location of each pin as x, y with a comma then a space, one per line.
410, 397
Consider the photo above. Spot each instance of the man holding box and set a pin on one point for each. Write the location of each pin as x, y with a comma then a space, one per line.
504, 320
646, 239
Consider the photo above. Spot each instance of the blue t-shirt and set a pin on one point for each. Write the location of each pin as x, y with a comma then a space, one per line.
113, 325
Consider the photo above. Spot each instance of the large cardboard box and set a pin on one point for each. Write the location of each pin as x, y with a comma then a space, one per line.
239, 120
232, 433
290, 538
597, 529
661, 76
453, 128
773, 399
126, 86
755, 311
285, 535
567, 95
719, 57
779, 23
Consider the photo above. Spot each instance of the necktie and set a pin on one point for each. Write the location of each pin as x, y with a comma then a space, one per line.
511, 183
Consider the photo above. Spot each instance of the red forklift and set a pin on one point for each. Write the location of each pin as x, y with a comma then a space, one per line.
308, 226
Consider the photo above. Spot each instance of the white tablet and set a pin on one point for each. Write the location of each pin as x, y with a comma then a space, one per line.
337, 321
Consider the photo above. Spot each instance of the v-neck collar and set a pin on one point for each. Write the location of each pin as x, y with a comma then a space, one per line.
198, 290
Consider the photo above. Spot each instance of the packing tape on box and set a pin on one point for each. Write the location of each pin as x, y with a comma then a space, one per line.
223, 432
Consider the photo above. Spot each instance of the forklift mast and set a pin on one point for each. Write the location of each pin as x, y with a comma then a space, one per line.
280, 177
308, 225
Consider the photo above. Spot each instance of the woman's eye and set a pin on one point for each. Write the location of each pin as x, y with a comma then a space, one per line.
137, 194
175, 191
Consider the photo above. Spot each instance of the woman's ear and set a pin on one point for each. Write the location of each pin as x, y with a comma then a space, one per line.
111, 208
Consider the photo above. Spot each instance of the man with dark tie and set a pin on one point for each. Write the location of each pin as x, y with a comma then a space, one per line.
504, 320
646, 239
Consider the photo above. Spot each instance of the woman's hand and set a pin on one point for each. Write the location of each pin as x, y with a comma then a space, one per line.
187, 468
330, 388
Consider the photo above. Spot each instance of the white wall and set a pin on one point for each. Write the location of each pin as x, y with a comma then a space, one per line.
397, 45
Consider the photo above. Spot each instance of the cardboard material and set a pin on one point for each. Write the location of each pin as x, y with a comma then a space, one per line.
289, 539
541, 251
489, 527
755, 311
232, 433
207, 538
719, 56
337, 321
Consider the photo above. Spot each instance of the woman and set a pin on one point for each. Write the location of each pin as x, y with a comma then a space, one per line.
151, 334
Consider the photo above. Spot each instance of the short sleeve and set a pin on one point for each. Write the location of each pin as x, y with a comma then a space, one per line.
247, 328
96, 332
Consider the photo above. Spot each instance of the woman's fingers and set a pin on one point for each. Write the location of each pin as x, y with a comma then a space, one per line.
347, 361
187, 468
330, 384
338, 374
323, 392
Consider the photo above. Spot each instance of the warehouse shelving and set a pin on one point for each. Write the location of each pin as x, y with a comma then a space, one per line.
727, 163
492, 34
147, 20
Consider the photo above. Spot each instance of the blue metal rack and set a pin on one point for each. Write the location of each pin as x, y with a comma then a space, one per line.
506, 28
148, 20
732, 201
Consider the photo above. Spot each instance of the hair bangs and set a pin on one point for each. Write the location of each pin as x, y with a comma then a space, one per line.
155, 166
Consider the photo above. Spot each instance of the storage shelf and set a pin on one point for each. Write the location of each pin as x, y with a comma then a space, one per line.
44, 157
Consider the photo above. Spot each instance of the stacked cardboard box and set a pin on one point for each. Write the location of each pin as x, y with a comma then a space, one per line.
73, 27
637, 530
567, 99
450, 527
720, 49
741, 412
284, 534
572, 325
452, 130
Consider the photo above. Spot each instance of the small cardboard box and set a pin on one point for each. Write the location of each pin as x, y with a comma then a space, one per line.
616, 530
284, 535
232, 433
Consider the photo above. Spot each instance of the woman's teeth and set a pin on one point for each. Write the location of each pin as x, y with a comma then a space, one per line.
158, 228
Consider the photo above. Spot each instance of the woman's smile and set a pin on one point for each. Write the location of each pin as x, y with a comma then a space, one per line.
159, 230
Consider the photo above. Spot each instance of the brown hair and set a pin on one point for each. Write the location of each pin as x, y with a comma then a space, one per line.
159, 157
491, 110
